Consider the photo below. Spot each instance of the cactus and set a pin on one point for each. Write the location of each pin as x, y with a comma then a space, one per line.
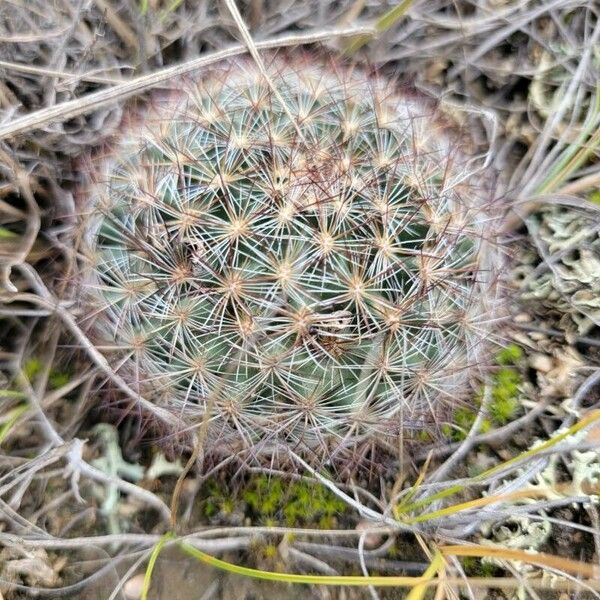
309, 257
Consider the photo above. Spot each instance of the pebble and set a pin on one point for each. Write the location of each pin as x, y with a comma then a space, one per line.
541, 362
132, 590
372, 539
523, 318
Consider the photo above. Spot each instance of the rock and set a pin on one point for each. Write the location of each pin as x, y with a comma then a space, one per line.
541, 362
132, 590
372, 539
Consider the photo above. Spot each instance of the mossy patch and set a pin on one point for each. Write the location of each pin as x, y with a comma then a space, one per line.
511, 355
32, 368
505, 395
56, 378
475, 567
505, 401
273, 501
293, 503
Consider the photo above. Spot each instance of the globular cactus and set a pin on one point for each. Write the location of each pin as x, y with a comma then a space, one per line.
309, 257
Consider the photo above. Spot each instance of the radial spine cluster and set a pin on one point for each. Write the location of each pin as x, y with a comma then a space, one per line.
310, 258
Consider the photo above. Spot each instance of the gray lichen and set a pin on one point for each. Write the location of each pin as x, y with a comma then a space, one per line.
559, 278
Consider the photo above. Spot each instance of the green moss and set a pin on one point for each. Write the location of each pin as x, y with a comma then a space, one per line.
506, 381
270, 551
31, 368
595, 196
475, 567
423, 436
505, 395
504, 403
296, 503
463, 420
228, 506
270, 522
272, 501
263, 495
216, 500
446, 430
56, 378
510, 355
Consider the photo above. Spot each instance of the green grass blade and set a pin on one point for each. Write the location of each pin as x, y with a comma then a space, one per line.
12, 417
7, 234
576, 154
13, 394
152, 562
349, 580
437, 563
382, 24
393, 15
589, 419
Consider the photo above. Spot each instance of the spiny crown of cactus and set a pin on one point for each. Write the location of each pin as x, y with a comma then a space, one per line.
306, 257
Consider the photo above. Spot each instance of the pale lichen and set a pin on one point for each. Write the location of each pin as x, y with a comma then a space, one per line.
560, 279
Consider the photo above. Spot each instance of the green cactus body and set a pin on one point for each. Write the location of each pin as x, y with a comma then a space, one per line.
316, 273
